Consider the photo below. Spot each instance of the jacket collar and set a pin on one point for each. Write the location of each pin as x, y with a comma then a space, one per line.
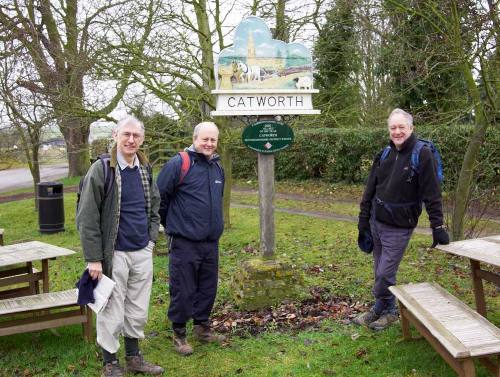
143, 160
193, 152
408, 144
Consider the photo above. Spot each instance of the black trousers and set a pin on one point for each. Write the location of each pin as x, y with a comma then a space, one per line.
193, 268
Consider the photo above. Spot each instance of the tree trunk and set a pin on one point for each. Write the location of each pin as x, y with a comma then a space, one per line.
34, 165
281, 31
464, 183
75, 131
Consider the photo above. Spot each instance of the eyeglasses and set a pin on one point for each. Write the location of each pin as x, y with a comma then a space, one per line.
126, 135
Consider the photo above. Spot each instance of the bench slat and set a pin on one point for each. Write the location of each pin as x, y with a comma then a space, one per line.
40, 301
461, 330
41, 323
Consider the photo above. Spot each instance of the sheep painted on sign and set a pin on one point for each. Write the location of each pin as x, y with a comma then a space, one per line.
304, 82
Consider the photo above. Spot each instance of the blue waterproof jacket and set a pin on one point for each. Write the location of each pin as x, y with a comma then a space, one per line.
193, 208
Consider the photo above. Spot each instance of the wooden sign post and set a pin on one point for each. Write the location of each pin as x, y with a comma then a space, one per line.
264, 79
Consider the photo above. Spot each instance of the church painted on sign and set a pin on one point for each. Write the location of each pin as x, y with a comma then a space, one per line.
257, 61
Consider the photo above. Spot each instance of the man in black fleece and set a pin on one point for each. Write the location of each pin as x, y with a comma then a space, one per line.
390, 208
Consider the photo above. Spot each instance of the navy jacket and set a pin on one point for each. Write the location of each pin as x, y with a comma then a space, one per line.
192, 209
397, 200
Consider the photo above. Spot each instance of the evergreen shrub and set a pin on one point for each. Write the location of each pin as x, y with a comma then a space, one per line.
346, 155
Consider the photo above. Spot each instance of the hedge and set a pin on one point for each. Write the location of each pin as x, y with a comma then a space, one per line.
346, 155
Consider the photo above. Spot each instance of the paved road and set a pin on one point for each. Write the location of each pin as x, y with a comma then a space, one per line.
13, 179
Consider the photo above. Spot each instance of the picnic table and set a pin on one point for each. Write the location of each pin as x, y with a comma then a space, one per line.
25, 310
26, 253
478, 250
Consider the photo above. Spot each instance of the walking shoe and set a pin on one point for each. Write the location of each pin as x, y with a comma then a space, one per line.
364, 319
384, 321
181, 345
137, 364
204, 333
112, 369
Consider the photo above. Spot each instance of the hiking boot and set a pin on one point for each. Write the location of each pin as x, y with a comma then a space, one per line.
366, 318
205, 334
384, 321
112, 369
181, 345
137, 364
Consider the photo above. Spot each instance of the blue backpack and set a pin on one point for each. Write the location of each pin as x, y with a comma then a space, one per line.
415, 158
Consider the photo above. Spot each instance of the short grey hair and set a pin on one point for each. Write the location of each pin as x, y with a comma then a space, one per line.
129, 119
201, 125
407, 116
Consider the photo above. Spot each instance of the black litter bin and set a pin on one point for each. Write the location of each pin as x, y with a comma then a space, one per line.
50, 207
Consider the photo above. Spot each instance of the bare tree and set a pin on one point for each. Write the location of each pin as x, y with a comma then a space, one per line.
25, 111
70, 45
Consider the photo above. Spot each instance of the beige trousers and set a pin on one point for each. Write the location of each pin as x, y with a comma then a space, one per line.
127, 309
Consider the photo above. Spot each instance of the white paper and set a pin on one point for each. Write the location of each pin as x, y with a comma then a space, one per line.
101, 293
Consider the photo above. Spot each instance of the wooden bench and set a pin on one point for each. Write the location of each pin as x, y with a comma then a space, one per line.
457, 333
36, 312
18, 275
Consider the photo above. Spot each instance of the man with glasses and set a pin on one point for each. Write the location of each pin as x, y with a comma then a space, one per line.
118, 230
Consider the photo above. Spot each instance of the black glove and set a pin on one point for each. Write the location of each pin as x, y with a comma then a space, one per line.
440, 236
364, 226
365, 239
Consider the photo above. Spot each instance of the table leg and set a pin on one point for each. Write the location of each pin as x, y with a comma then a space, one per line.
477, 284
45, 272
33, 284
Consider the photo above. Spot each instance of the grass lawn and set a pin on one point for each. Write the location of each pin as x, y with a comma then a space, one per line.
334, 349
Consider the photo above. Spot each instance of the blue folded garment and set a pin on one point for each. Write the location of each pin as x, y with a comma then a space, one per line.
86, 287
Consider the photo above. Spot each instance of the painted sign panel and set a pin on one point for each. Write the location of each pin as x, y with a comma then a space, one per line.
267, 136
257, 61
259, 75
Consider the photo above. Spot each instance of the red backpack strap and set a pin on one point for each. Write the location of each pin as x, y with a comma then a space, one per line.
186, 164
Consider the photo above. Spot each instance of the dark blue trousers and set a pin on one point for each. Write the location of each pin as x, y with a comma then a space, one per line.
193, 269
389, 245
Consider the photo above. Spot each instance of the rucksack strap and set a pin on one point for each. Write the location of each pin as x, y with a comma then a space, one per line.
385, 153
109, 174
186, 164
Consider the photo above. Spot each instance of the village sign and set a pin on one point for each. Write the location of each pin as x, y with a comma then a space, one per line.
259, 75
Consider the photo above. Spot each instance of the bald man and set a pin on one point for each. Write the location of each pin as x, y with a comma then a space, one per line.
191, 212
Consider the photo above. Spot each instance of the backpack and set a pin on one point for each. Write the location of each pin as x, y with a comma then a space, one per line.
109, 177
415, 158
186, 164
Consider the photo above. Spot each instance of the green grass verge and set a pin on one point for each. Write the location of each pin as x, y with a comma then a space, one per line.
67, 182
335, 349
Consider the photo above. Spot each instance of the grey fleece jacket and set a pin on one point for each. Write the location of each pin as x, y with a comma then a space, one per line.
98, 216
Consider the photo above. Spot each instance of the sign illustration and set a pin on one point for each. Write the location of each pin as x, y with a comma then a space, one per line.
259, 75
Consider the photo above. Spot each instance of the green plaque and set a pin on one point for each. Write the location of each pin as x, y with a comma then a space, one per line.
267, 136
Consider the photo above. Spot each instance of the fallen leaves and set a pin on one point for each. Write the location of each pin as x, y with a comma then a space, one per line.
288, 316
